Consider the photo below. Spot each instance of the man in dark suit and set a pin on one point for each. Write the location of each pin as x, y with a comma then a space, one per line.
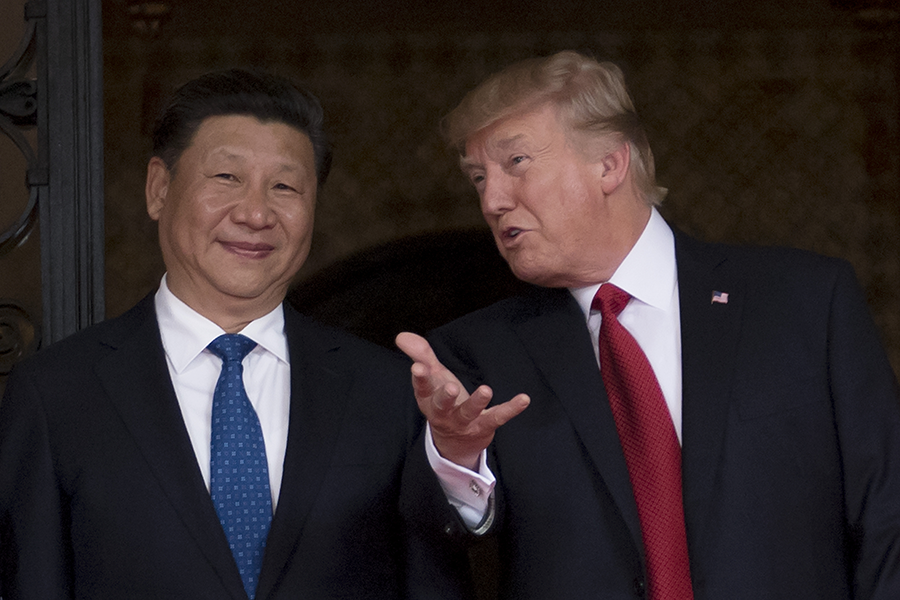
746, 389
137, 462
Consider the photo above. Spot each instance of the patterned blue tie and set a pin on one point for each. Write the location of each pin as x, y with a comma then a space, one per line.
239, 473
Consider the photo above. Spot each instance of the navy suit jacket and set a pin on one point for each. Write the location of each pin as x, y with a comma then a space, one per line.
791, 437
101, 496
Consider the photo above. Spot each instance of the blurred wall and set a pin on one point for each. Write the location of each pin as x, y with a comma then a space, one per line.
780, 132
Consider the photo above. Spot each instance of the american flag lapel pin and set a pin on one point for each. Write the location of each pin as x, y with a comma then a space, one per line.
719, 297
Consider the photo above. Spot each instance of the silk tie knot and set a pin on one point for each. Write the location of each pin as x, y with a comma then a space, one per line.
231, 347
610, 299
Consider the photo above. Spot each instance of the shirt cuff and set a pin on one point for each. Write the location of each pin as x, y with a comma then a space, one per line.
467, 491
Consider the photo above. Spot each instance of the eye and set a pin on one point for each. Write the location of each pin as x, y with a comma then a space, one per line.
225, 176
518, 159
284, 187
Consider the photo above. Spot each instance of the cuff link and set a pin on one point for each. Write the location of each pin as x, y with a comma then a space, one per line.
488, 519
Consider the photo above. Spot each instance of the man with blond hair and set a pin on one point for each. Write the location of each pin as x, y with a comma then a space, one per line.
674, 419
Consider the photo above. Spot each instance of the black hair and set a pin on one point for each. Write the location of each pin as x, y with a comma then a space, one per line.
239, 92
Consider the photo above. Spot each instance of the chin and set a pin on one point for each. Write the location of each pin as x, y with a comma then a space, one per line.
246, 288
532, 276
540, 276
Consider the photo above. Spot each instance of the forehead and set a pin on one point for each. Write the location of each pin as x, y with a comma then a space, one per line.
238, 130
523, 128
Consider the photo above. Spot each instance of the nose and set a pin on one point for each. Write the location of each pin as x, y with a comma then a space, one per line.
254, 209
496, 194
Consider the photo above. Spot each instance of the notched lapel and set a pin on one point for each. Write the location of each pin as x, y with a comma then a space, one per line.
318, 403
136, 379
709, 336
559, 342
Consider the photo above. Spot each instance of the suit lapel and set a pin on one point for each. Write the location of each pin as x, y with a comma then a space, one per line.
318, 395
136, 379
559, 342
709, 334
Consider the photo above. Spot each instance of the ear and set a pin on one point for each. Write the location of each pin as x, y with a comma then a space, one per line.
157, 188
614, 167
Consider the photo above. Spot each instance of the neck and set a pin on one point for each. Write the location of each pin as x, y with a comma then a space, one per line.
230, 313
233, 319
631, 227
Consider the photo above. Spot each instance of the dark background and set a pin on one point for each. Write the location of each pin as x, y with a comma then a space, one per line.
772, 122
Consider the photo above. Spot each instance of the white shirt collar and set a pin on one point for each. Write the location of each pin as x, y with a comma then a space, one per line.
648, 273
186, 333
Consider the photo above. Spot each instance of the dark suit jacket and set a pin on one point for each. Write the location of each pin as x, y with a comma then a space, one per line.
791, 437
101, 496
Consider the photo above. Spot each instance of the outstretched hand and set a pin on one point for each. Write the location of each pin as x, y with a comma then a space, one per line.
461, 424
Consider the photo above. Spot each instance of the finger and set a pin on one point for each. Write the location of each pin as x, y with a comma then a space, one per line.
422, 380
428, 382
417, 348
447, 397
475, 404
502, 413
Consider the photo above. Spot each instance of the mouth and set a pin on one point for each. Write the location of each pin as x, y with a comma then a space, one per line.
248, 249
510, 234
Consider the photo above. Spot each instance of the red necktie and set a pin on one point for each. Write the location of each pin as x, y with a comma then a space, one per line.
651, 449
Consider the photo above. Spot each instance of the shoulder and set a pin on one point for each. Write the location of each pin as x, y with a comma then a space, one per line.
763, 265
533, 302
64, 379
537, 316
313, 340
370, 383
778, 293
79, 350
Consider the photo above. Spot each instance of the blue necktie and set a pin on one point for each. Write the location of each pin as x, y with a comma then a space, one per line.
239, 473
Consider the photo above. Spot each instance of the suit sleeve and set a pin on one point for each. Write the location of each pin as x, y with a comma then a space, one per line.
867, 413
451, 354
437, 539
35, 552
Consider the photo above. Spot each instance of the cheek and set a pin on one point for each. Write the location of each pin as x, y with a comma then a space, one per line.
199, 228
197, 217
298, 226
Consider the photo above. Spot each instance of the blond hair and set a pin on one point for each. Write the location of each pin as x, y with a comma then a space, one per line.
591, 98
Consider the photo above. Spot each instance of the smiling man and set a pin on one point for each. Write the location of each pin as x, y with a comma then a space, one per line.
674, 419
235, 225
211, 443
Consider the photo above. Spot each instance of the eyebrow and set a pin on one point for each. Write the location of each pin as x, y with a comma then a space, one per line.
226, 154
467, 164
229, 155
505, 143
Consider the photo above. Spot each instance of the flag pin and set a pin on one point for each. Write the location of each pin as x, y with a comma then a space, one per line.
719, 297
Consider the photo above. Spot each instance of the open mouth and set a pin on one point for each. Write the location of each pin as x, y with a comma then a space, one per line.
511, 233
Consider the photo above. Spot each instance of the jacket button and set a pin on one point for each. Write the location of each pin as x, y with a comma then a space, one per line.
640, 588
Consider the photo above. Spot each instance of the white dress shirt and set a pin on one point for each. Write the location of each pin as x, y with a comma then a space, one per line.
652, 317
466, 490
650, 275
195, 371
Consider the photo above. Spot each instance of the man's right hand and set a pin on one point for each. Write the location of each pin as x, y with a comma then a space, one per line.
461, 424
